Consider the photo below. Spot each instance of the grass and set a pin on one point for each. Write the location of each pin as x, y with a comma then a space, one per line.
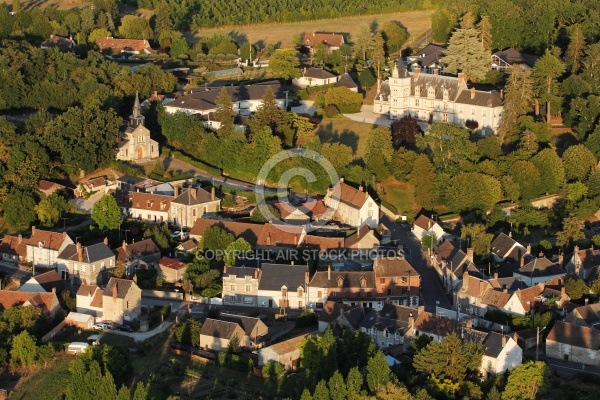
416, 22
48, 384
400, 195
341, 130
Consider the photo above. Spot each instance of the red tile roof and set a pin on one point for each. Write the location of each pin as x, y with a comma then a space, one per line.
329, 39
349, 195
49, 240
14, 245
118, 45
47, 302
150, 201
171, 263
272, 235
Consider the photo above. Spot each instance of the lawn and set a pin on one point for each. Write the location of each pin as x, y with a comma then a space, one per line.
417, 23
400, 195
47, 384
351, 133
61, 4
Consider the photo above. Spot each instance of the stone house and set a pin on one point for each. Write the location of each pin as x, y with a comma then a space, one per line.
354, 207
255, 330
435, 326
240, 286
88, 264
121, 301
171, 270
340, 317
192, 204
89, 300
429, 59
539, 270
574, 343
363, 238
426, 226
13, 249
59, 42
584, 263
286, 353
450, 262
44, 246
349, 287
505, 248
216, 335
283, 286
437, 98
397, 279
90, 186
46, 282
143, 254
150, 207
588, 315
500, 353
391, 326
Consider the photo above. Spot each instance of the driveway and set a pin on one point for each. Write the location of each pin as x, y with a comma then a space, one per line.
305, 107
86, 205
367, 116
431, 288
19, 274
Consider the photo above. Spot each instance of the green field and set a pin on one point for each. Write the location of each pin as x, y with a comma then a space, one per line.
48, 384
351, 133
400, 195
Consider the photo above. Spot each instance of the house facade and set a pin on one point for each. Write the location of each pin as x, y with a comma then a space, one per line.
89, 300
315, 77
47, 303
121, 301
143, 254
171, 270
500, 353
149, 206
574, 343
136, 144
217, 335
584, 263
43, 247
283, 286
354, 207
437, 98
391, 326
427, 226
240, 286
192, 204
89, 264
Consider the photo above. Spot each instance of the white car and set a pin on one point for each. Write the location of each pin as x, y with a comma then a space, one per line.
176, 234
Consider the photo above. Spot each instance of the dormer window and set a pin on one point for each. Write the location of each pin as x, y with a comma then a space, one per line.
340, 281
284, 292
363, 282
300, 292
148, 203
417, 91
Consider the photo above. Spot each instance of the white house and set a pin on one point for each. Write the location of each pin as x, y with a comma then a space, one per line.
426, 226
315, 77
354, 207
500, 353
283, 286
539, 270
504, 248
575, 343
437, 98
584, 263
43, 247
149, 206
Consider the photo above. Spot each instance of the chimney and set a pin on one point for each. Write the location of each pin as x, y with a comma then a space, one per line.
224, 269
295, 239
503, 340
329, 272
19, 239
124, 245
461, 79
106, 241
504, 289
64, 234
522, 262
510, 234
416, 72
541, 254
193, 192
501, 94
561, 259
360, 188
586, 301
212, 193
472, 93
563, 291
79, 252
470, 254
411, 320
32, 230
115, 290
175, 191
269, 239
528, 249
155, 93
256, 273
306, 277
342, 179
495, 275
54, 290
292, 262
436, 71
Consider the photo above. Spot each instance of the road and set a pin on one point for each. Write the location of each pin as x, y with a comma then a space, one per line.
19, 274
431, 289
567, 368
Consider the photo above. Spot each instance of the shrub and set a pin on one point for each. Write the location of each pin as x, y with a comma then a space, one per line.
331, 111
471, 124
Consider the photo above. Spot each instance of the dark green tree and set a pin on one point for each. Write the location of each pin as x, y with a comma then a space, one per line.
571, 232
551, 170
19, 208
478, 238
285, 64
578, 161
546, 72
466, 54
366, 78
225, 114
107, 213
527, 382
51, 209
576, 288
378, 372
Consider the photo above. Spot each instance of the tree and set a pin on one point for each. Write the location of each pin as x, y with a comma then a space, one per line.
449, 359
96, 34
51, 209
422, 178
216, 239
576, 288
378, 372
338, 154
320, 53
133, 27
527, 381
402, 163
379, 144
485, 32
527, 176
225, 114
45, 353
551, 169
285, 64
450, 146
578, 161
395, 36
473, 191
19, 208
237, 249
576, 191
489, 148
429, 241
268, 114
107, 213
248, 50
545, 72
87, 382
24, 350
363, 41
593, 183
367, 79
479, 240
344, 99
441, 25
162, 21
575, 49
466, 54
179, 47
378, 53
354, 383
337, 387
518, 100
405, 130
570, 233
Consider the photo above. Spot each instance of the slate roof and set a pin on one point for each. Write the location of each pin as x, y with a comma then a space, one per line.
438, 83
317, 73
91, 254
540, 267
574, 335
587, 315
240, 272
349, 195
123, 286
171, 263
510, 283
138, 250
492, 344
480, 98
456, 258
332, 310
502, 244
512, 56
473, 287
429, 50
274, 276
391, 317
204, 99
351, 279
246, 323
392, 267
194, 196
346, 80
150, 201
250, 232
50, 240
219, 329
329, 39
287, 346
50, 280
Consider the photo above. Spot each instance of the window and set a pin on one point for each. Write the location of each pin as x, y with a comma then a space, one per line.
93, 268
382, 280
389, 292
283, 292
334, 294
416, 102
386, 333
363, 283
102, 265
445, 107
83, 269
404, 279
112, 262
194, 212
300, 304
232, 288
370, 213
445, 117
300, 292
460, 110
248, 288
127, 305
319, 294
472, 110
76, 268
232, 299
483, 112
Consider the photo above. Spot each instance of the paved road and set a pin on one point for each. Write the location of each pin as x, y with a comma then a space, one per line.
86, 205
567, 368
431, 289
19, 274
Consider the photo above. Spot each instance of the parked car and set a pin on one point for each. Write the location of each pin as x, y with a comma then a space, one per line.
99, 327
176, 234
125, 328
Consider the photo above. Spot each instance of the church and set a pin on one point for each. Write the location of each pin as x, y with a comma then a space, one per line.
433, 97
135, 144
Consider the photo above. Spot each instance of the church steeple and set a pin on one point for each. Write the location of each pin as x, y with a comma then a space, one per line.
136, 118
